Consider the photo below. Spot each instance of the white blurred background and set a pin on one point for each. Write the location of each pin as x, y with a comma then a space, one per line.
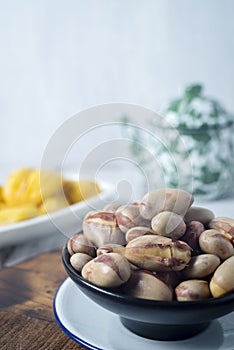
59, 57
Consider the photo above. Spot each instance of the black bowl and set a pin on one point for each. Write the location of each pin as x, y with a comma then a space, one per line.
161, 320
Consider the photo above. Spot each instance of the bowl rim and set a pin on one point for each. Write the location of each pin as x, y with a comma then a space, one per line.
114, 293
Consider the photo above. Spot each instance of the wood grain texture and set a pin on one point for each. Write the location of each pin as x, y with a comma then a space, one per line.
26, 305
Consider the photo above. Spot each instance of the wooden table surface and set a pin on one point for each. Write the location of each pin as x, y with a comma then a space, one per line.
26, 305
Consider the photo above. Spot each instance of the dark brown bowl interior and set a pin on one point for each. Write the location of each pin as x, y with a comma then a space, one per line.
161, 320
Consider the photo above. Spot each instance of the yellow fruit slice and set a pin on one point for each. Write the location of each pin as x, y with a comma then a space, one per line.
41, 185
76, 191
15, 186
15, 214
26, 186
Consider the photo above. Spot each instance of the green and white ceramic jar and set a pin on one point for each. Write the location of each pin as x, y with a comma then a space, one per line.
206, 130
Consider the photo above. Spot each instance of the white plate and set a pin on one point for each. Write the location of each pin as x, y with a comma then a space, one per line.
96, 328
67, 221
